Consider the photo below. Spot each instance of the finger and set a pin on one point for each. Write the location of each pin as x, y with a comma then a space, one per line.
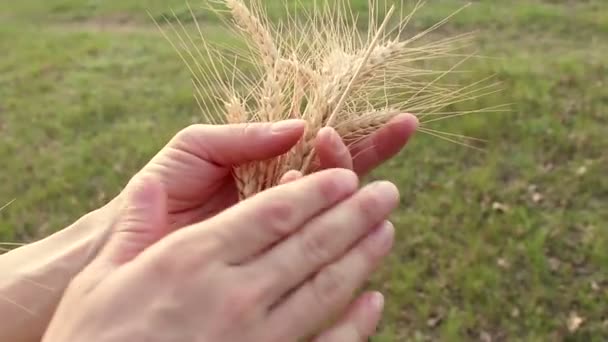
228, 145
213, 150
330, 291
331, 150
253, 225
290, 176
359, 323
325, 238
142, 221
383, 144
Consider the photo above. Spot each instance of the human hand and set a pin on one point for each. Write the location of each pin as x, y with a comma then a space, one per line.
195, 169
272, 268
195, 166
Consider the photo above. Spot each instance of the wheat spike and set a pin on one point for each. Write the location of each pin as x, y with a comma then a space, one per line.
318, 66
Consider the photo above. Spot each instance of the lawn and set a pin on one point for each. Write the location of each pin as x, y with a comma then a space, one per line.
509, 244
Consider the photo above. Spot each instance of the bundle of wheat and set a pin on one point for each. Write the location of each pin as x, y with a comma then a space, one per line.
318, 66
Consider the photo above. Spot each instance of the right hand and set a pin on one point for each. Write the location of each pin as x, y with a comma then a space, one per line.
275, 267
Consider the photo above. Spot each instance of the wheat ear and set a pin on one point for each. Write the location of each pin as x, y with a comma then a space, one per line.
323, 70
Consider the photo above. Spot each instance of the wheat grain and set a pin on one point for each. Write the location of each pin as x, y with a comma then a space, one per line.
324, 70
259, 35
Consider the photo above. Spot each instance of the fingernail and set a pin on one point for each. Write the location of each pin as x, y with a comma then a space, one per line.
336, 141
386, 190
287, 126
377, 301
413, 118
382, 237
407, 121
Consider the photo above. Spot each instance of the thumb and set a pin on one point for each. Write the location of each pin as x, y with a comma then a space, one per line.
228, 145
142, 220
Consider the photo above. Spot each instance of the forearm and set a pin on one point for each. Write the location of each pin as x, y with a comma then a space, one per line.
33, 277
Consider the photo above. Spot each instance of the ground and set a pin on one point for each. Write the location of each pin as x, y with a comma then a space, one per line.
510, 244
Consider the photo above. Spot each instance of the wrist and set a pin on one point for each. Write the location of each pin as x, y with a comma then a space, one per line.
67, 251
35, 276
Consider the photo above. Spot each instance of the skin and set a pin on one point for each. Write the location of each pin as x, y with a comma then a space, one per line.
302, 249
194, 169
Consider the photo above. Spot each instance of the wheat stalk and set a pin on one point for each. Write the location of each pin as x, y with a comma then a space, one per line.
317, 66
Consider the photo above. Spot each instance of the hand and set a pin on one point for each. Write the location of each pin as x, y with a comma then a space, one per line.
272, 268
195, 170
195, 167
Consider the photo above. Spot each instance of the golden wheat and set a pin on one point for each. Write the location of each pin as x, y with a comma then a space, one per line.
318, 66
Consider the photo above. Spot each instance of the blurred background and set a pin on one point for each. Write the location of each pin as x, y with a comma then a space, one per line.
510, 244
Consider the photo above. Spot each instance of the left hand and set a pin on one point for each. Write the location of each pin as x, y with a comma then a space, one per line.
195, 167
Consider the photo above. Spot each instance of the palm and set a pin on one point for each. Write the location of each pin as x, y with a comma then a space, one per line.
196, 188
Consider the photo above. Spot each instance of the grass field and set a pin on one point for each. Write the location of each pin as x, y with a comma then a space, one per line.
506, 245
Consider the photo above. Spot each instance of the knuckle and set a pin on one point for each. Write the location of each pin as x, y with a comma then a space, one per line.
316, 247
329, 285
278, 218
369, 203
250, 130
336, 183
329, 187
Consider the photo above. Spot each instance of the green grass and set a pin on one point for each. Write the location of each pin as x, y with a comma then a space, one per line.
90, 90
